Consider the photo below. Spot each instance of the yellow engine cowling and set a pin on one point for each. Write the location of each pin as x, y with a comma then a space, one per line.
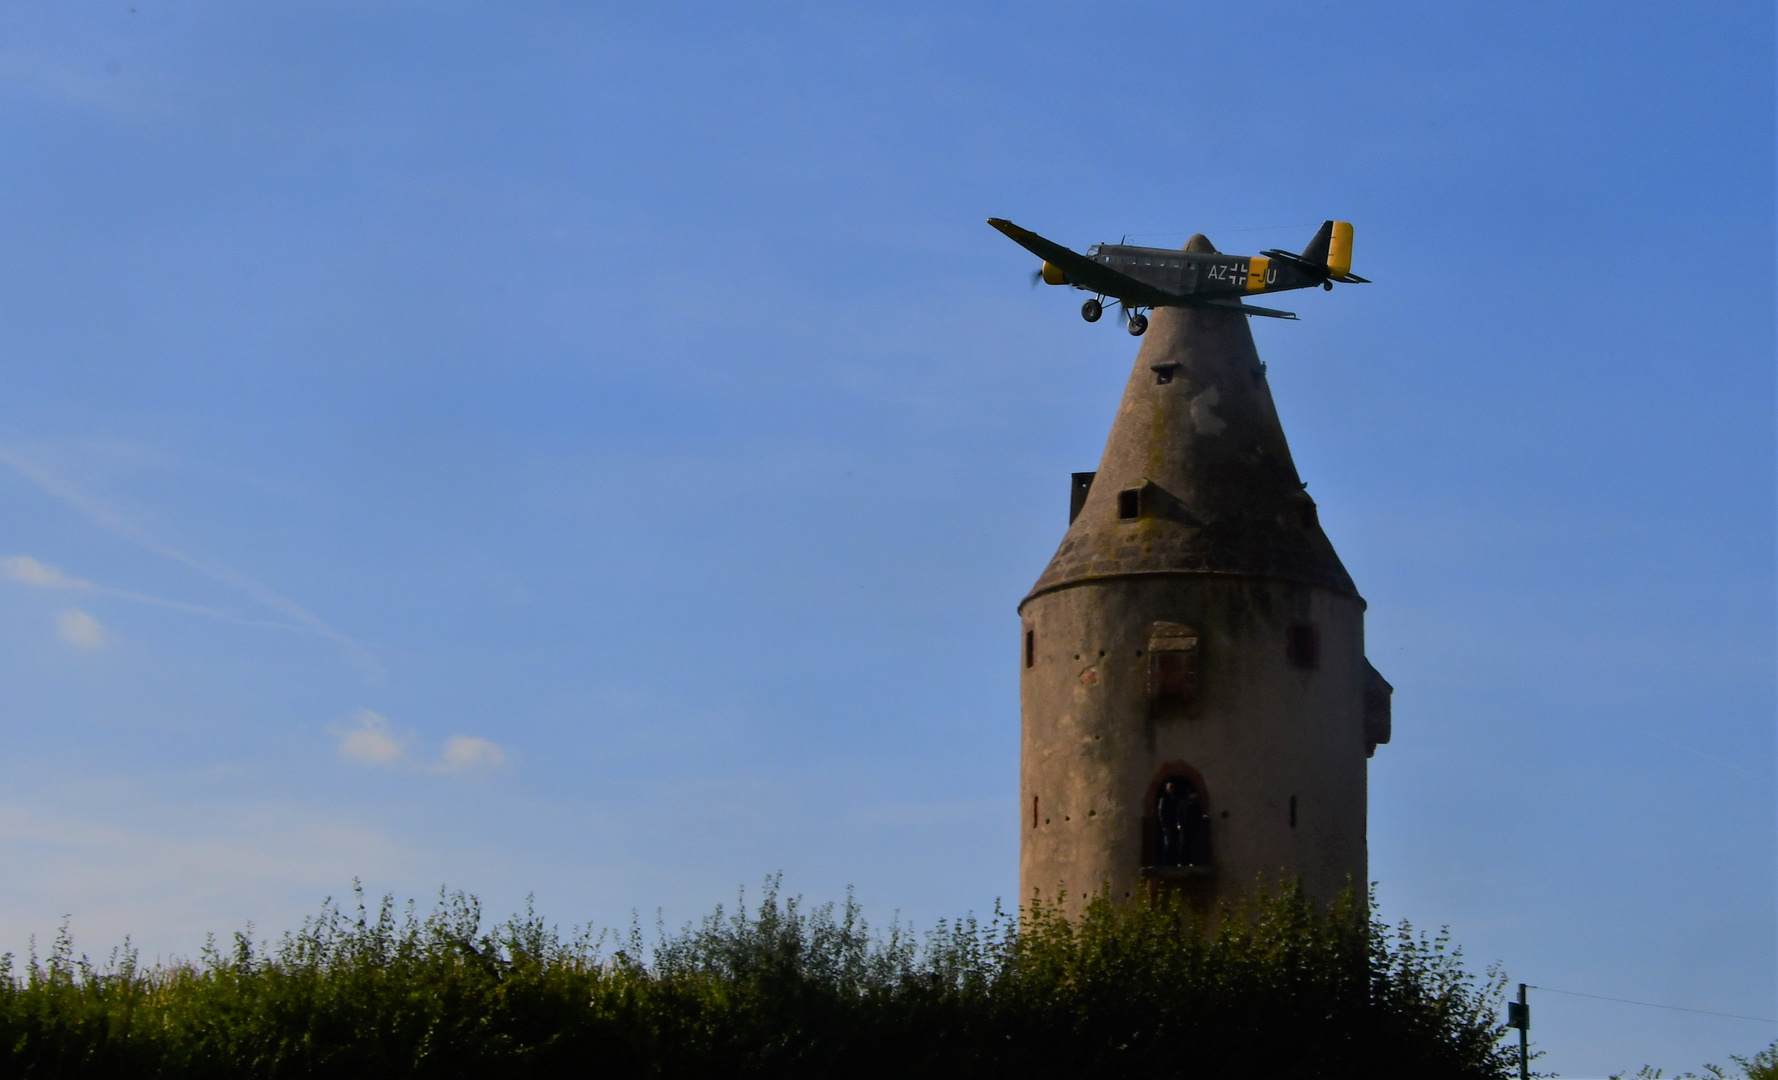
1052, 274
1339, 250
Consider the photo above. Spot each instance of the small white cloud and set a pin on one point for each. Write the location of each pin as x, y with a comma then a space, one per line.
28, 571
369, 740
466, 753
367, 737
80, 630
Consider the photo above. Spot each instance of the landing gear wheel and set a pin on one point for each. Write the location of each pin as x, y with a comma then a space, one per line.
1138, 323
1328, 285
1091, 310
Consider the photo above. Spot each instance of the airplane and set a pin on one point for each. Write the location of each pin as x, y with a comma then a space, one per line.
1143, 277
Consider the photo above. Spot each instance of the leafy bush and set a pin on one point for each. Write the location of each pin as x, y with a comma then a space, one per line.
1761, 1066
1273, 988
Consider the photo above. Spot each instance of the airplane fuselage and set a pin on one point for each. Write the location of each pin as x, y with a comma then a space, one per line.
1177, 277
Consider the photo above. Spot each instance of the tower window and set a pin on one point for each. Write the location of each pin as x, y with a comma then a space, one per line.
1129, 504
1176, 822
1077, 494
1303, 644
1030, 648
1293, 811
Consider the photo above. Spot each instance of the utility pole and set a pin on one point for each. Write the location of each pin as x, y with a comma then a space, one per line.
1518, 1015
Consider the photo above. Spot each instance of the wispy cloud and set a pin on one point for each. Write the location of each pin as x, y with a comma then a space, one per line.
367, 737
114, 521
466, 753
1707, 757
28, 571
81, 630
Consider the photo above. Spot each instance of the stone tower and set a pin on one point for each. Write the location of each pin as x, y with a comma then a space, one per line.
1195, 626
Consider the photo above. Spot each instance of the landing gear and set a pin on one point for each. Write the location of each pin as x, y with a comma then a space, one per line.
1138, 323
1328, 285
1091, 310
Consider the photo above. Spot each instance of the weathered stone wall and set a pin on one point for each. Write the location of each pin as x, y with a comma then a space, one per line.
1261, 731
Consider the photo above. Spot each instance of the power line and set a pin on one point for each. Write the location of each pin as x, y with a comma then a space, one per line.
1652, 1005
1217, 229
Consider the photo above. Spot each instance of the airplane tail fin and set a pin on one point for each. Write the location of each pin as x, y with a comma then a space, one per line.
1339, 250
1332, 248
1329, 253
1316, 253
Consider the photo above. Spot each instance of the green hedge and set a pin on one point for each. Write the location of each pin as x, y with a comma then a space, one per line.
1277, 988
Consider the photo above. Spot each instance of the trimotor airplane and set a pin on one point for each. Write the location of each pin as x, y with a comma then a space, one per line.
1143, 277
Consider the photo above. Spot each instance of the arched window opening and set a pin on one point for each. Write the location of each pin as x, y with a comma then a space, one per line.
1176, 824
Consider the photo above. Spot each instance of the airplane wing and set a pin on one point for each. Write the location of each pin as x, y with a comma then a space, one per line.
1083, 271
1245, 309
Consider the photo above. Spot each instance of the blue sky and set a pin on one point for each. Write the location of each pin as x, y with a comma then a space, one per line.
597, 452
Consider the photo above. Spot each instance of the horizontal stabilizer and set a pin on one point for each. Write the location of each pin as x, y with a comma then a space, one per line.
1295, 260
1353, 279
1245, 309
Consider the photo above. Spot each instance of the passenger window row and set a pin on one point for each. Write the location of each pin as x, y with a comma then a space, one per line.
1110, 260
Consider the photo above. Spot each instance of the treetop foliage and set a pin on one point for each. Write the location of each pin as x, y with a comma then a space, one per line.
1276, 987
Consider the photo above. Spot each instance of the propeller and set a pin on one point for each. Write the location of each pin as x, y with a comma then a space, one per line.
1037, 277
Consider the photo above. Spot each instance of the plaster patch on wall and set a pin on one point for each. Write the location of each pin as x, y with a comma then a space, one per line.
1204, 421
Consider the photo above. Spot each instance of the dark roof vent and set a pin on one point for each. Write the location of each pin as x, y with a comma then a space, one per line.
1077, 493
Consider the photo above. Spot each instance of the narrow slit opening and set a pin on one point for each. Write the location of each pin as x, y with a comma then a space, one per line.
1303, 644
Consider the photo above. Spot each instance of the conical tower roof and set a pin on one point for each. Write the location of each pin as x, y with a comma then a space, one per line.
1197, 438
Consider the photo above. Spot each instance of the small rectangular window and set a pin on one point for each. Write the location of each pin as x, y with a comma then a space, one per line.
1303, 644
1293, 811
1077, 494
1129, 504
1030, 648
